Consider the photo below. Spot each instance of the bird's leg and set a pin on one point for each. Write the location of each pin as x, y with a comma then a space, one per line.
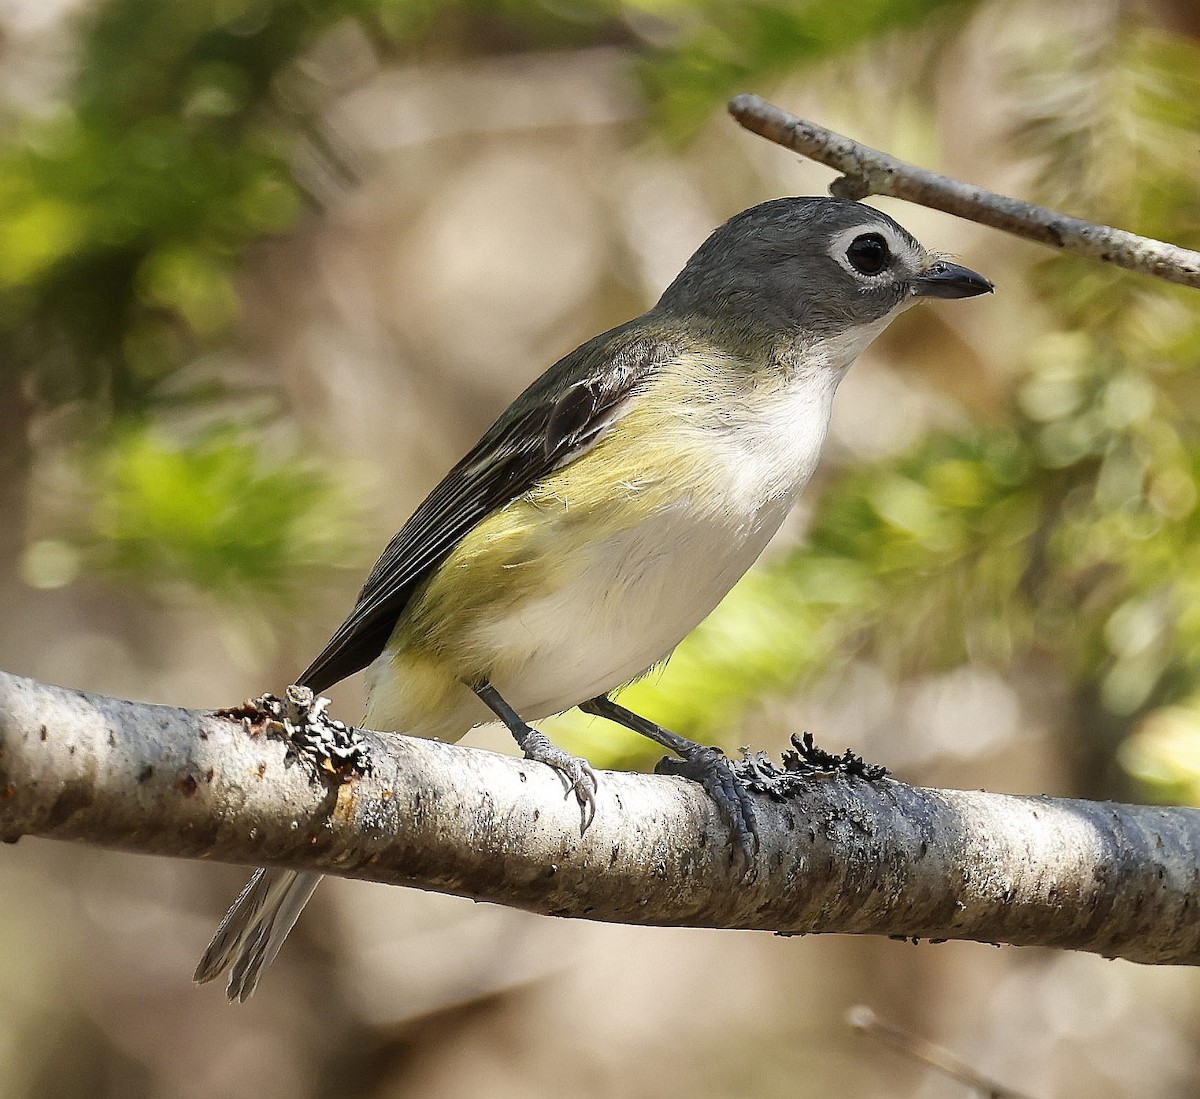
576, 773
707, 766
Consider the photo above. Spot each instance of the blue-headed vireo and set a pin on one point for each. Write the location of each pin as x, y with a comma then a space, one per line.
611, 507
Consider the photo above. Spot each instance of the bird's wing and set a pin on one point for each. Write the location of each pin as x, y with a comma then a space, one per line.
556, 420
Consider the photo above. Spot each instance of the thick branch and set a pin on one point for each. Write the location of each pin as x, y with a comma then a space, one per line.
844, 855
867, 171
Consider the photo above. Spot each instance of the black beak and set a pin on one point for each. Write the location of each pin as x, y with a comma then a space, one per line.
949, 280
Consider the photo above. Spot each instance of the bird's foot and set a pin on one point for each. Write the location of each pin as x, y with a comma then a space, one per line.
577, 774
711, 768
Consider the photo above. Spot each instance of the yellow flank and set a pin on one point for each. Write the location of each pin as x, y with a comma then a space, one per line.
539, 542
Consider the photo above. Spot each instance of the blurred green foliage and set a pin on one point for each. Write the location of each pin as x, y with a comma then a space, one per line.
1066, 532
221, 513
723, 48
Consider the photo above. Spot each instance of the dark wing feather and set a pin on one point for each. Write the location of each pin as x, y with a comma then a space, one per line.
558, 418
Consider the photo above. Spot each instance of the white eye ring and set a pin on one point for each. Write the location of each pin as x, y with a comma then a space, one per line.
900, 249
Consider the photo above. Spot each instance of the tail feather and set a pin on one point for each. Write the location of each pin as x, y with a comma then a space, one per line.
253, 930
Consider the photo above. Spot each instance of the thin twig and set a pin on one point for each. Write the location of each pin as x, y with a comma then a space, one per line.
863, 1019
866, 171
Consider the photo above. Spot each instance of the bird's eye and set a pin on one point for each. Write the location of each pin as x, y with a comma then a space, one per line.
868, 254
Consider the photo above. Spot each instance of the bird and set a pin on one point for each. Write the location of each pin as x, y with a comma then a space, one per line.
610, 508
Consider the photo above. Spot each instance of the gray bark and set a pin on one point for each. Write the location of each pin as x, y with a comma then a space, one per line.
844, 855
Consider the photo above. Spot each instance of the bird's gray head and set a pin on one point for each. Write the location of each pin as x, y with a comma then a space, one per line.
812, 267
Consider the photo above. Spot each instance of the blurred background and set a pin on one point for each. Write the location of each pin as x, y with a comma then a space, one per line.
268, 268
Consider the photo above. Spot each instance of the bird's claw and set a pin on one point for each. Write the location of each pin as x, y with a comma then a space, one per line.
577, 774
711, 768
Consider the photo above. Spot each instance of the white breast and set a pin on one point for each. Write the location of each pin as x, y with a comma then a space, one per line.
640, 592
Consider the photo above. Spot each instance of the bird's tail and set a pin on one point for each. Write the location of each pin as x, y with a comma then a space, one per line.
253, 930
